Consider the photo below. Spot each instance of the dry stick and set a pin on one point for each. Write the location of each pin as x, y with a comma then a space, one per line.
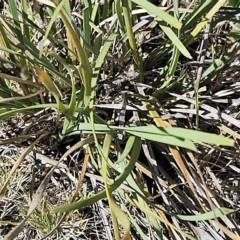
211, 110
203, 51
122, 115
18, 139
81, 175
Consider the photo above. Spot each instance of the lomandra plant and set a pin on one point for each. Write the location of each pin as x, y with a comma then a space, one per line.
75, 49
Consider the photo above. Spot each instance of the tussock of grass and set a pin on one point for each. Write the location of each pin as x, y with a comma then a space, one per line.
97, 100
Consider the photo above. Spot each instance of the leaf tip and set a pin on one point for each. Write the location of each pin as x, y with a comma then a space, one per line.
39, 72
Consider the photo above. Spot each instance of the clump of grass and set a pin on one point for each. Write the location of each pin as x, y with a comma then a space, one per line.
107, 80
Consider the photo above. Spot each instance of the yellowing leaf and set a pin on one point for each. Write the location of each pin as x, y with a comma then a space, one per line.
48, 83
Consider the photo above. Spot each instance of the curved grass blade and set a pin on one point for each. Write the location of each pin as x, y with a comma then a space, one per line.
127, 149
24, 5
43, 61
149, 212
104, 168
70, 112
84, 67
91, 200
199, 11
100, 60
48, 83
140, 195
216, 213
132, 218
96, 70
6, 112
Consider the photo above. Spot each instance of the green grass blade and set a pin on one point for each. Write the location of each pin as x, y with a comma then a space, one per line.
202, 8
17, 26
182, 134
8, 112
175, 40
84, 66
216, 213
204, 21
161, 15
185, 143
86, 27
25, 11
132, 41
127, 149
52, 21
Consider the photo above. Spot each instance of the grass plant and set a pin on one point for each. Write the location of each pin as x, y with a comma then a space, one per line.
124, 115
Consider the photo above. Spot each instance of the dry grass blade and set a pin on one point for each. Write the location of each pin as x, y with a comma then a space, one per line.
177, 157
212, 110
20, 80
230, 234
72, 149
39, 193
186, 174
92, 52
16, 139
82, 175
18, 162
13, 234
20, 98
35, 201
200, 233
